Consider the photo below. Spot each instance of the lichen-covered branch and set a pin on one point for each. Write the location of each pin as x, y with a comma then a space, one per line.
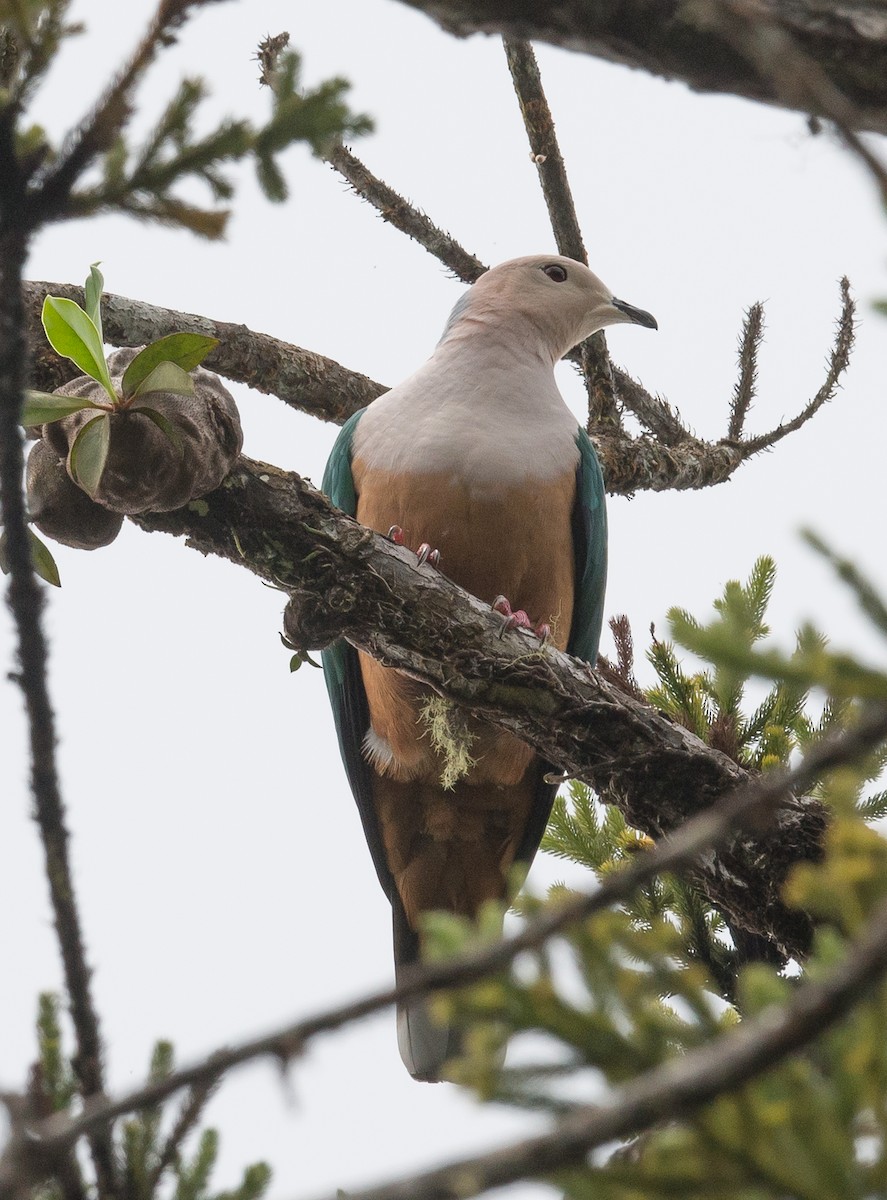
544, 149
668, 458
300, 378
798, 80
404, 216
846, 38
343, 579
838, 361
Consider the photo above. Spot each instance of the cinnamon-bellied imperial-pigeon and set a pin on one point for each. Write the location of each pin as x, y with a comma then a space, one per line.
477, 456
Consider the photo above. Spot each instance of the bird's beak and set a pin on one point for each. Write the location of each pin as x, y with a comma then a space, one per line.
637, 316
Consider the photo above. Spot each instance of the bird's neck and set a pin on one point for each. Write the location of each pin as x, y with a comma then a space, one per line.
483, 335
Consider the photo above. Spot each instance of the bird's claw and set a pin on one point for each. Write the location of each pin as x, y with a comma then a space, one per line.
518, 619
425, 554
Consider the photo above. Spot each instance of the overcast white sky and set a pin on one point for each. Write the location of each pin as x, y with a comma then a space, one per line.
222, 873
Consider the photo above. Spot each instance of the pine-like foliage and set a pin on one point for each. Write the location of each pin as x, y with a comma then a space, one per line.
637, 986
150, 1145
145, 181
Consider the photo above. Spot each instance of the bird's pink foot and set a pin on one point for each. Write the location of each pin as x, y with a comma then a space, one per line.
518, 619
425, 553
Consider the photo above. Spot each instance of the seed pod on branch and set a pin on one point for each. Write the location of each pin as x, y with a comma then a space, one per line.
161, 452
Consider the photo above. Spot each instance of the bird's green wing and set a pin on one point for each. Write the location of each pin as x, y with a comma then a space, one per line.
341, 669
590, 549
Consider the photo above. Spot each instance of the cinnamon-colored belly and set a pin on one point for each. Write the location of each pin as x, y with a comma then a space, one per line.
451, 848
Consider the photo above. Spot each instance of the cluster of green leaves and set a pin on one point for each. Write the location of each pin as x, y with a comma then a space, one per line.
631, 988
162, 367
150, 1145
76, 333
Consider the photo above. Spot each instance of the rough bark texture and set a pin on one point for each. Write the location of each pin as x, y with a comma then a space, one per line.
847, 38
324, 388
345, 580
668, 456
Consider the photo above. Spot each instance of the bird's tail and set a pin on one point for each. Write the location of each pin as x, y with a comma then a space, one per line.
424, 1043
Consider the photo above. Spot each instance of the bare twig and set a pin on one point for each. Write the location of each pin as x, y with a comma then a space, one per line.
404, 216
704, 832
544, 149
744, 392
654, 413
545, 152
838, 361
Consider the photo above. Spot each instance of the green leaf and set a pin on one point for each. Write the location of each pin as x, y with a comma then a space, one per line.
166, 377
40, 408
164, 425
41, 559
186, 350
93, 291
90, 453
72, 334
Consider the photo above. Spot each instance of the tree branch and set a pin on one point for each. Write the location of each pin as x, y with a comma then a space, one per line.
846, 38
838, 361
300, 378
25, 601
677, 1088
398, 212
546, 153
797, 79
49, 1139
50, 194
670, 459
343, 579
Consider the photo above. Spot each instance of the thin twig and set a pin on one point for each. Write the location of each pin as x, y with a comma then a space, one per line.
190, 1114
404, 216
703, 833
546, 154
838, 361
744, 392
654, 413
544, 149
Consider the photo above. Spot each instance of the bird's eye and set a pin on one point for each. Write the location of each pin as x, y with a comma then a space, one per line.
556, 272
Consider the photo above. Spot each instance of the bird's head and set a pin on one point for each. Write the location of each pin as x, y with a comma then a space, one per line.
557, 297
